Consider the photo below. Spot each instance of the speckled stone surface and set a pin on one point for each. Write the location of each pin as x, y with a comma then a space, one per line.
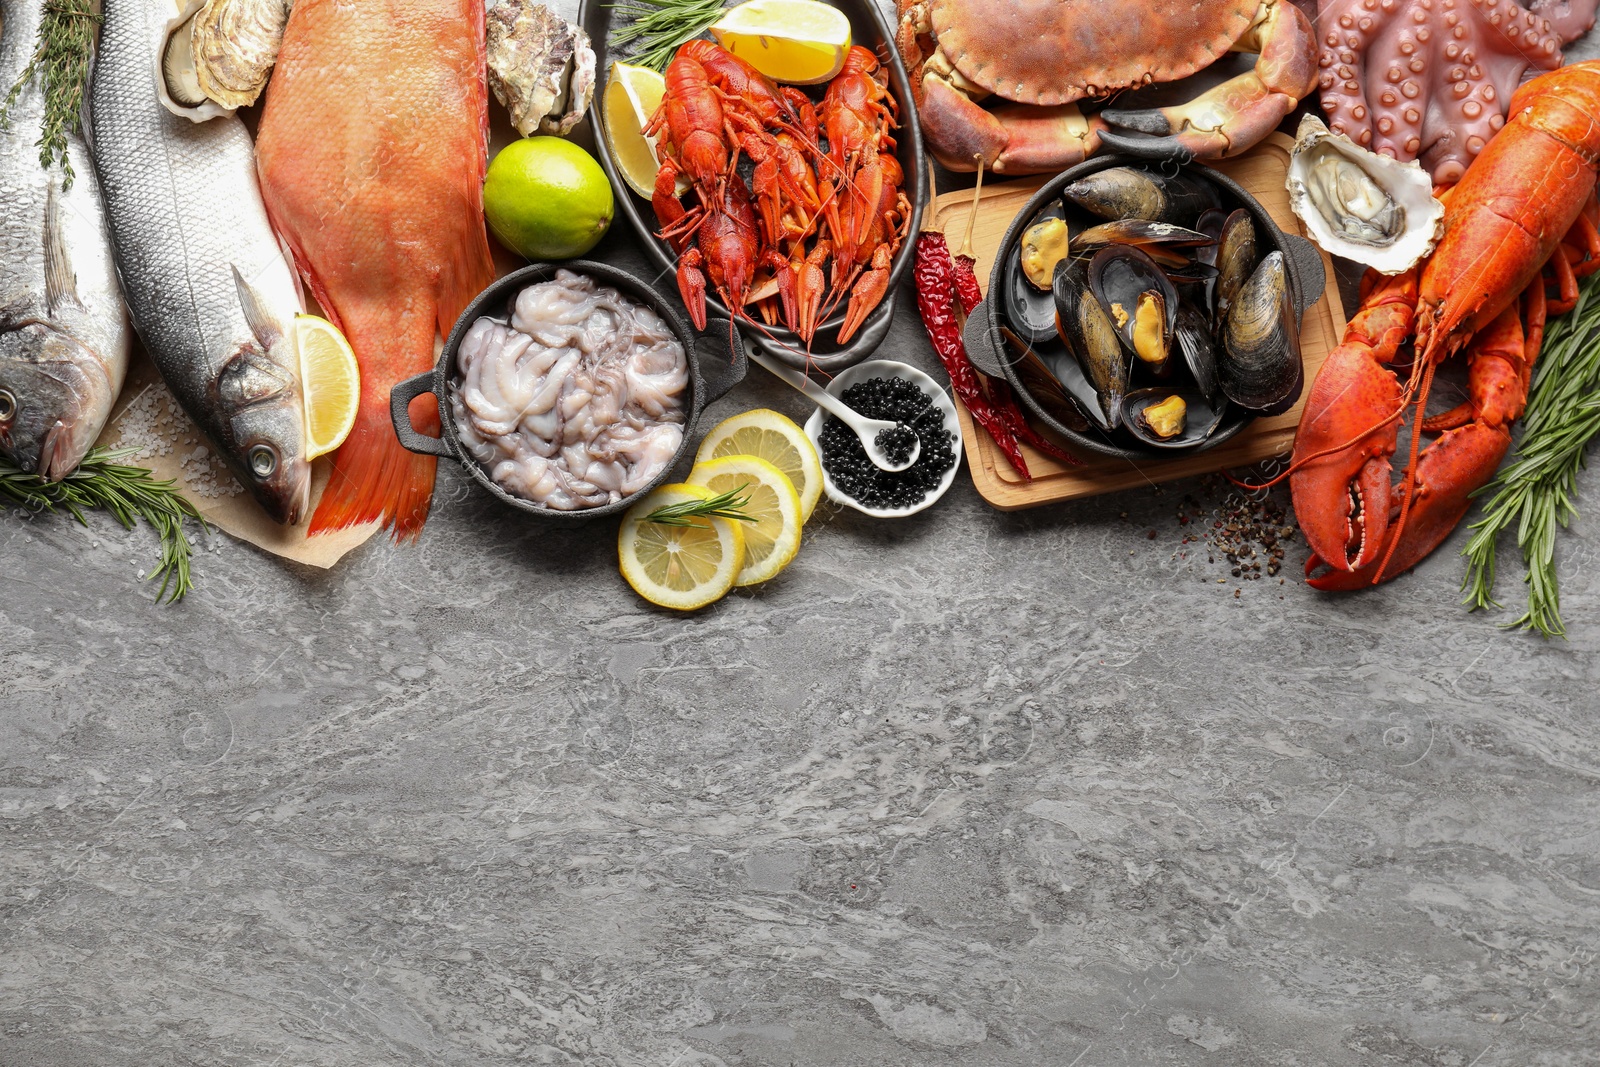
969, 788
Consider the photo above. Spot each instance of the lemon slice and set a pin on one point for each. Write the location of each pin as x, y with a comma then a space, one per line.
773, 539
802, 42
767, 435
632, 95
682, 567
330, 382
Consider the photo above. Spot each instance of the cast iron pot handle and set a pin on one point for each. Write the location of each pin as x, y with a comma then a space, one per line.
724, 365
980, 339
400, 398
1308, 264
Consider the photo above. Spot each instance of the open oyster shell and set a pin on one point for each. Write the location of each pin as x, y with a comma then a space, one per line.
1360, 205
219, 54
540, 67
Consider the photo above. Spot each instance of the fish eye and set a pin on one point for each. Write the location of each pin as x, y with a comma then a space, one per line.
8, 405
263, 461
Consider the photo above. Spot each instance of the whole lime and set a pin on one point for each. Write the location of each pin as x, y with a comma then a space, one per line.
546, 198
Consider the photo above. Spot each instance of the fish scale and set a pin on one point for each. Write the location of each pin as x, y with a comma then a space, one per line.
206, 282
63, 336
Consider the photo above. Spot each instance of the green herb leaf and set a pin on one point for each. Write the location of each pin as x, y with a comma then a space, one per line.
661, 26
66, 44
1533, 494
128, 493
729, 505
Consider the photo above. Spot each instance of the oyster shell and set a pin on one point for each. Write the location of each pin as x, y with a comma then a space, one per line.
219, 54
1361, 205
540, 67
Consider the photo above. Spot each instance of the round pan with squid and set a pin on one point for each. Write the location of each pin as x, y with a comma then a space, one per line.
1143, 308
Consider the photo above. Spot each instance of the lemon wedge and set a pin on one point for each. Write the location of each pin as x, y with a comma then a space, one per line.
772, 540
802, 42
632, 95
767, 435
681, 567
330, 381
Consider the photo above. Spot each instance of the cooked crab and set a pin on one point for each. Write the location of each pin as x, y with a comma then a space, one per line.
1047, 54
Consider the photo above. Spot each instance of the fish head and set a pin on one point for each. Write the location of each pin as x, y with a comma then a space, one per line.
266, 428
54, 398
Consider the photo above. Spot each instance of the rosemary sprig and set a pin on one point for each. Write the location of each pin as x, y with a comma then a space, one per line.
729, 505
662, 25
128, 493
66, 44
1534, 493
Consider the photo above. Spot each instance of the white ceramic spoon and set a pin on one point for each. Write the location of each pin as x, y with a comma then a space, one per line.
865, 428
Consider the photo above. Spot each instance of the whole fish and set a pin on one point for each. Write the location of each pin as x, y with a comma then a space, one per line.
206, 282
372, 154
63, 335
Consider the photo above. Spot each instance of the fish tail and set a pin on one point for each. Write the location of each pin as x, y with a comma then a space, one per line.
374, 478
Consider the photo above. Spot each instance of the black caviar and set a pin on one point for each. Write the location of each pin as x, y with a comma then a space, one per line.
895, 400
896, 443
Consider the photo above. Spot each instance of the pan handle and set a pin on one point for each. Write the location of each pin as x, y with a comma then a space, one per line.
980, 339
400, 398
1308, 264
722, 361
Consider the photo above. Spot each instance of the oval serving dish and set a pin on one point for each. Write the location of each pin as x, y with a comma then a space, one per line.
715, 364
888, 368
996, 355
867, 28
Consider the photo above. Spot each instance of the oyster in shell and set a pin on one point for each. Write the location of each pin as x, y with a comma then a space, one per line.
540, 67
219, 54
1360, 205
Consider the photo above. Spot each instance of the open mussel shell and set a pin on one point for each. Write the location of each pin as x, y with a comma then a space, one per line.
1056, 382
1193, 334
1200, 417
1140, 301
1140, 232
1031, 313
1135, 193
1089, 333
1259, 367
1236, 259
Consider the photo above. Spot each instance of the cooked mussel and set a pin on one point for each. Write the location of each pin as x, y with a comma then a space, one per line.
1172, 419
1054, 380
1236, 259
1193, 334
1086, 327
1259, 367
1133, 193
1159, 240
1141, 301
1044, 244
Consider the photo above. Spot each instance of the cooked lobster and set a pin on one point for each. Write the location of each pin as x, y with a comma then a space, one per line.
1525, 211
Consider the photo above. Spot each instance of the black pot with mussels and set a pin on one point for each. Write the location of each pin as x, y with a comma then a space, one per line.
485, 377
1143, 307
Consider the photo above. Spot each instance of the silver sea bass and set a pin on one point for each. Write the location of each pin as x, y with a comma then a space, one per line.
206, 282
63, 335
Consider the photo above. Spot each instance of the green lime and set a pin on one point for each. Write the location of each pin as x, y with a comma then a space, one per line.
546, 198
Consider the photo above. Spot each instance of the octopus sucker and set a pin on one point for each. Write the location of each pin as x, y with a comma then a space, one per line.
1431, 80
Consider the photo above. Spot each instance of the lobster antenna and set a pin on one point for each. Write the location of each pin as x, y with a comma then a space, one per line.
1411, 471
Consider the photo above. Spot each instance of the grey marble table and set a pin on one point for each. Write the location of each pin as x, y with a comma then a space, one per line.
970, 788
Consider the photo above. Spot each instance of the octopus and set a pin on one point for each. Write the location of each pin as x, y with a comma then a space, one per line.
577, 402
1430, 79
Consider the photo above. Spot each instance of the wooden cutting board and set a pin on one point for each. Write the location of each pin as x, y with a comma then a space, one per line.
1261, 171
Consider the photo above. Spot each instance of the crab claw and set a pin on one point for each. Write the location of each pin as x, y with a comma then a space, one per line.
1011, 138
1237, 114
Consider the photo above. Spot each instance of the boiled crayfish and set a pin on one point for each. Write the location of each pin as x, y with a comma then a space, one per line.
717, 107
1526, 204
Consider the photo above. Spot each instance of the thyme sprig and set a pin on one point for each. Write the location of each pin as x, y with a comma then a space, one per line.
729, 505
128, 493
67, 34
662, 25
1534, 494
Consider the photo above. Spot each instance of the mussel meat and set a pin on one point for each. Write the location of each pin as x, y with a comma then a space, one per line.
1236, 259
1133, 193
1089, 333
1170, 419
1140, 300
1044, 244
1259, 368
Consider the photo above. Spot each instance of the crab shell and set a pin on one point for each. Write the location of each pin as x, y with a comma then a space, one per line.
1057, 51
